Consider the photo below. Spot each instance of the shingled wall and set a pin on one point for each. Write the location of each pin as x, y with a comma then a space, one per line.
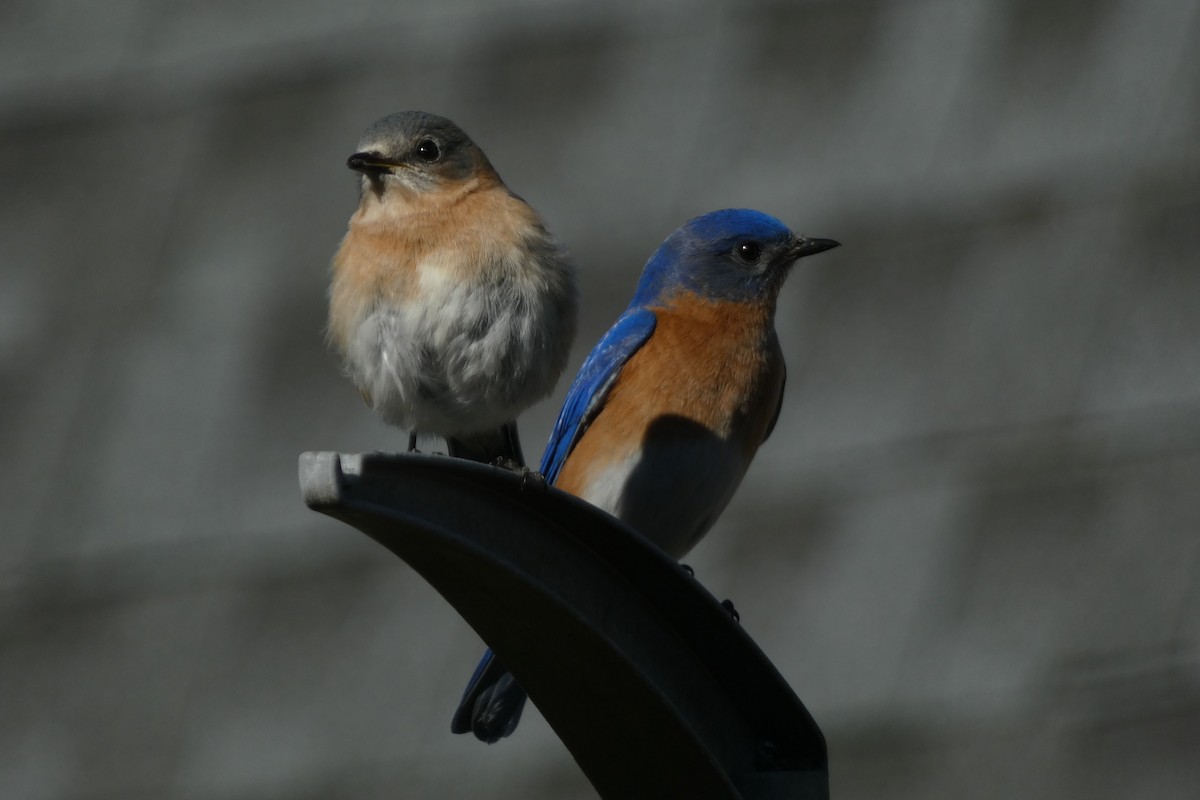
972, 543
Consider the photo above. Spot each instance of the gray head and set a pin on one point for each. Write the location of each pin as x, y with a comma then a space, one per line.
418, 150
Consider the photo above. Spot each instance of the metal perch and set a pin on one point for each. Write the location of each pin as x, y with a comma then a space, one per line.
647, 680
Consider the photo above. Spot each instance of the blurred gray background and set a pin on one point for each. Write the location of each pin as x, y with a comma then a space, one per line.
971, 544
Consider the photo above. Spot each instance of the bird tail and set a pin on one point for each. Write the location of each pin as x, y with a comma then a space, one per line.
492, 704
502, 446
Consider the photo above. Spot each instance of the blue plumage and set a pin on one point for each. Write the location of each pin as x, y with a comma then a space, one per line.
592, 384
667, 451
492, 702
698, 258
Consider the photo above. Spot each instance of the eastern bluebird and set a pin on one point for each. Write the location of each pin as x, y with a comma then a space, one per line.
662, 421
453, 308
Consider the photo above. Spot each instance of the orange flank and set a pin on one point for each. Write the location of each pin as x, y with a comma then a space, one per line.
712, 367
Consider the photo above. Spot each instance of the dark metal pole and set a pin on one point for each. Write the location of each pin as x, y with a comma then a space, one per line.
647, 680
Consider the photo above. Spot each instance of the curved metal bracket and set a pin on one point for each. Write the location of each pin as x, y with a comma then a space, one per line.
647, 680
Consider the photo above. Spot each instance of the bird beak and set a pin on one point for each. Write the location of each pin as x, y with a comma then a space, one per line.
809, 247
370, 164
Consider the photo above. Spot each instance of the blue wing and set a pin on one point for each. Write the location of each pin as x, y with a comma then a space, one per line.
492, 703
592, 384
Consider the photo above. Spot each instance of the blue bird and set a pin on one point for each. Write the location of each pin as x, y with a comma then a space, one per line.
663, 419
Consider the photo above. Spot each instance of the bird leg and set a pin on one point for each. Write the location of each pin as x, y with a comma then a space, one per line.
499, 448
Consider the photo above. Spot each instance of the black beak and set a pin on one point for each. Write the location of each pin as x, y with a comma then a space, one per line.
810, 247
369, 164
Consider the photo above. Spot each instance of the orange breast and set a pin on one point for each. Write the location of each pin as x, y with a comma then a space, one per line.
708, 366
459, 229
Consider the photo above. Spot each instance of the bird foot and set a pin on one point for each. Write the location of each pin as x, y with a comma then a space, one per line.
691, 572
733, 613
532, 479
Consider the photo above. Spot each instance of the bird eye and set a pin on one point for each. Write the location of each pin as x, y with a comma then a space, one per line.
427, 150
747, 252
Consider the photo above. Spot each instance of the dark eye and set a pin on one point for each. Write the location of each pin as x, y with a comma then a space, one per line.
427, 150
747, 252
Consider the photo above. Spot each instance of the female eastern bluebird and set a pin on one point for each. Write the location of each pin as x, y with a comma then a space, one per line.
669, 408
453, 308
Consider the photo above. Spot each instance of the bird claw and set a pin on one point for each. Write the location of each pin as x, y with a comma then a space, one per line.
733, 613
531, 478
691, 572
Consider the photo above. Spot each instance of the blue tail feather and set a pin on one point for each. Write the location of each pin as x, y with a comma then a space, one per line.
492, 704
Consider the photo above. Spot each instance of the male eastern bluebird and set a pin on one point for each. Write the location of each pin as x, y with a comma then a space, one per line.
663, 419
453, 308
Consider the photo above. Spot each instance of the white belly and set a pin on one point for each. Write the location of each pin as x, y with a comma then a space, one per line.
466, 358
671, 492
